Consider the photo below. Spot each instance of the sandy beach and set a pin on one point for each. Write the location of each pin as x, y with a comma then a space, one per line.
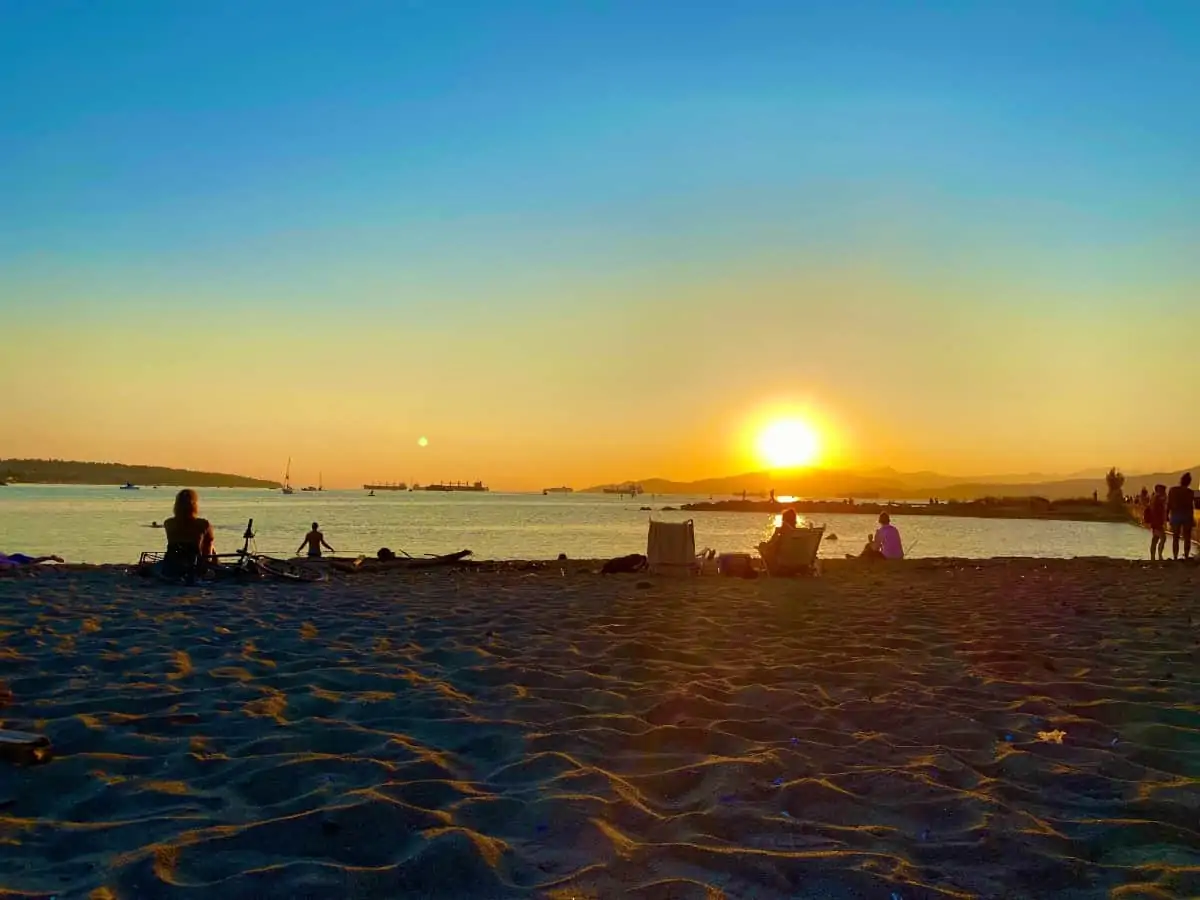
934, 729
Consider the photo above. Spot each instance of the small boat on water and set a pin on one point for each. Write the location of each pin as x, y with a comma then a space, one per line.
320, 484
130, 486
371, 494
287, 479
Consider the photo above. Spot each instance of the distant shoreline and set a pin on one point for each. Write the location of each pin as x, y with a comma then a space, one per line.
1007, 508
76, 473
143, 485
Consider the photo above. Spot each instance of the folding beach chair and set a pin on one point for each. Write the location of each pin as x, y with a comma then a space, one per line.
795, 553
671, 548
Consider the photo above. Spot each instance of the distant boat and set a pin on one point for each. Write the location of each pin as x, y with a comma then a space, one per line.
372, 494
475, 487
287, 479
130, 486
628, 488
558, 490
386, 486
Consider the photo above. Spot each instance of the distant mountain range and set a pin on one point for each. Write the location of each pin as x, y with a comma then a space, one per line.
892, 485
61, 471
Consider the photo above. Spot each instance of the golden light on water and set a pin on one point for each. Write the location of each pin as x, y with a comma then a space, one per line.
788, 443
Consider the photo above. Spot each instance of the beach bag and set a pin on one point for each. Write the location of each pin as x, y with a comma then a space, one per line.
634, 562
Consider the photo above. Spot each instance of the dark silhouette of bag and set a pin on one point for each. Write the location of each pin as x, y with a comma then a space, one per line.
634, 562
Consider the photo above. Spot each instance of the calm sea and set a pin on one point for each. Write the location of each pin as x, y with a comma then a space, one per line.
105, 524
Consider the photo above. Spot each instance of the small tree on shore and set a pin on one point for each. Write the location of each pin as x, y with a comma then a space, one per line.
1116, 487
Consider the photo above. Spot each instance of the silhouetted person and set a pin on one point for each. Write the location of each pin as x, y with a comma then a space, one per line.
189, 537
14, 560
1181, 512
314, 540
787, 524
885, 543
1155, 518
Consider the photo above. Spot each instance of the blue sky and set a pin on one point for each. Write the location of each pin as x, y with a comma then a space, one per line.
565, 186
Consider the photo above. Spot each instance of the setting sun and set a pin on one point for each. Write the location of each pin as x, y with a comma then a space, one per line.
786, 443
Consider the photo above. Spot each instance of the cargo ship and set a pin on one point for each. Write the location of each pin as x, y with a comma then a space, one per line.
557, 490
477, 487
386, 486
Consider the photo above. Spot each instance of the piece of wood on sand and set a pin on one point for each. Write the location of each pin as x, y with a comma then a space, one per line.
24, 749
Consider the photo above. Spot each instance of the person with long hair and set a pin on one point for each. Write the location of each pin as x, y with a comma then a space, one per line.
787, 524
189, 537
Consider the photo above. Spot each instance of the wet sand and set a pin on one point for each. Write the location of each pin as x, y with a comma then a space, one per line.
505, 733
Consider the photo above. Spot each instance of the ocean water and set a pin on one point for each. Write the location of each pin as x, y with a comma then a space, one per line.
103, 524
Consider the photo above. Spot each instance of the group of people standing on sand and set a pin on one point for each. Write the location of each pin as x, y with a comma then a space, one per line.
1175, 508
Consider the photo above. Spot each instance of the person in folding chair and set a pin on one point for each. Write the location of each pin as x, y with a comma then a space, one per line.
769, 549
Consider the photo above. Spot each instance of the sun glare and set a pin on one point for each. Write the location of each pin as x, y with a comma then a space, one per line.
787, 443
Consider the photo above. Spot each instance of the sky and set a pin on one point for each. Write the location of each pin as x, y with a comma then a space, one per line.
576, 242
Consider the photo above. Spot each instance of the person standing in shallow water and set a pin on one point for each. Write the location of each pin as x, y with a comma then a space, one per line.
314, 540
1181, 506
1155, 518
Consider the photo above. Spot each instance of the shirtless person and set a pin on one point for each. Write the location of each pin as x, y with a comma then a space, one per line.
314, 540
1181, 505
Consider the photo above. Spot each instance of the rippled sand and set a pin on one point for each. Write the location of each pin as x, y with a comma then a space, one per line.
491, 734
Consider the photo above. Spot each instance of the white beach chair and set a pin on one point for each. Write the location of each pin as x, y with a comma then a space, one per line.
671, 548
794, 554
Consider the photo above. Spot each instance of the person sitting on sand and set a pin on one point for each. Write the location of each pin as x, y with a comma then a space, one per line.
1155, 518
314, 540
18, 560
1181, 505
885, 543
189, 538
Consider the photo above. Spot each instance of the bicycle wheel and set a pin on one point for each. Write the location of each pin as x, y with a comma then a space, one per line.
282, 570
